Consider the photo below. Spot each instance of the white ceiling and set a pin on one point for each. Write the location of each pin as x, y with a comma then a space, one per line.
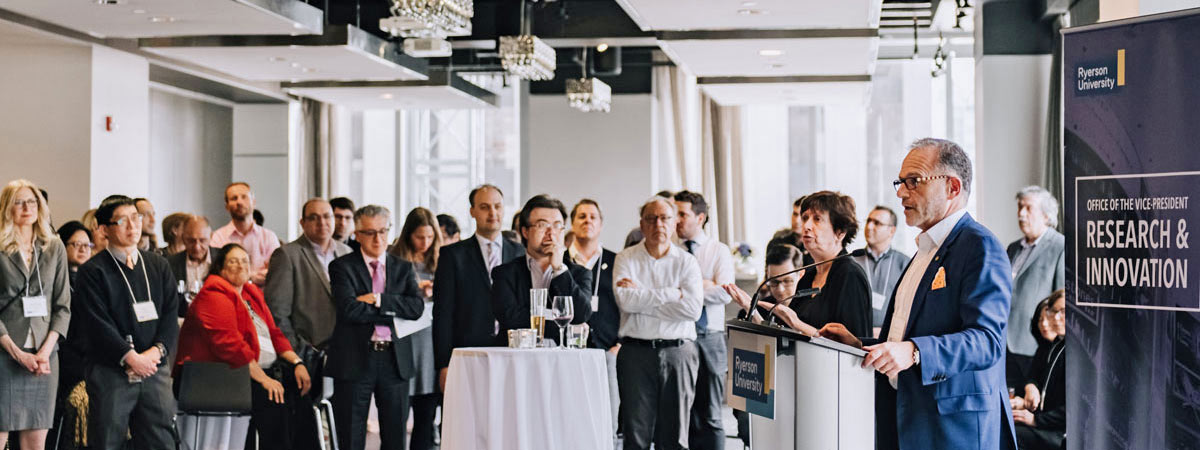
752, 14
794, 94
291, 62
393, 97
157, 18
11, 33
802, 56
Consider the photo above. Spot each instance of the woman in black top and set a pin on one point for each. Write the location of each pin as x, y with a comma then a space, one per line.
781, 258
827, 226
1041, 416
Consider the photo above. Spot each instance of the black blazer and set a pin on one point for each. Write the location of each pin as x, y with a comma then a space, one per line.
845, 298
462, 307
606, 319
349, 278
511, 283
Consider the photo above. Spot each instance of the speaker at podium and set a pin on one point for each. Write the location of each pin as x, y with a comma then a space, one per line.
801, 392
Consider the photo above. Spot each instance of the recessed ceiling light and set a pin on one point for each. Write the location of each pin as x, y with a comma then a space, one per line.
139, 11
162, 19
309, 70
295, 65
386, 96
297, 25
109, 2
751, 12
770, 52
776, 66
602, 47
278, 59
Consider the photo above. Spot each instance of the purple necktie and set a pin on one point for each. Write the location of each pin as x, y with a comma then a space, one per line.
382, 332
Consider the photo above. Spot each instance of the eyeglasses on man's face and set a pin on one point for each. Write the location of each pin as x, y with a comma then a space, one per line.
81, 245
911, 183
542, 226
372, 234
120, 221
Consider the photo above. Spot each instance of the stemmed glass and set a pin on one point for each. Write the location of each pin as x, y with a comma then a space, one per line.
562, 310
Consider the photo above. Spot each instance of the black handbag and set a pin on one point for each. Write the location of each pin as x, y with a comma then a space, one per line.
207, 388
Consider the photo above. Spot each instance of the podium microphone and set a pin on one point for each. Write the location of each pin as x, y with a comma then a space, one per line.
754, 299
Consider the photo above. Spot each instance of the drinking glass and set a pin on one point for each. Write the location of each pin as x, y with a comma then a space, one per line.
562, 310
537, 311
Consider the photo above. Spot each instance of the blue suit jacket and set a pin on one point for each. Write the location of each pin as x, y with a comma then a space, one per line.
956, 398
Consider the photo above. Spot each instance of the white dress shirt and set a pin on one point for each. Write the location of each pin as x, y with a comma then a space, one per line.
1023, 256
716, 265
668, 298
541, 278
928, 243
577, 256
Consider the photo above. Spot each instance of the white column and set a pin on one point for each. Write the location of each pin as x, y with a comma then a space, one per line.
120, 155
262, 157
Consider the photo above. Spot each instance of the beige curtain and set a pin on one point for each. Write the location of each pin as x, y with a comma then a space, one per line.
724, 183
678, 116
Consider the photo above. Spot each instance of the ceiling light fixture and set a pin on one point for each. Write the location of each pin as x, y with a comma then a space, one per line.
109, 2
602, 47
588, 94
751, 12
162, 19
386, 96
771, 52
139, 11
278, 59
525, 55
429, 18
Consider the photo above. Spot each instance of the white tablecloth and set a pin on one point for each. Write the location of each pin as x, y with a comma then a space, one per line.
526, 399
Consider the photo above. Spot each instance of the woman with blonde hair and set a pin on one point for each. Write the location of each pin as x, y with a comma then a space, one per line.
418, 243
35, 309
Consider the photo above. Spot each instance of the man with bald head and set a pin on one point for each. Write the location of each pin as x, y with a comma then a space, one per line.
298, 292
940, 353
191, 265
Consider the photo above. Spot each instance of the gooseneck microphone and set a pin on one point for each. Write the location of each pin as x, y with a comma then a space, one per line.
754, 299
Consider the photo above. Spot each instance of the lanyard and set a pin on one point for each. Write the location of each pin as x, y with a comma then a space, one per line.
1049, 373
145, 276
36, 271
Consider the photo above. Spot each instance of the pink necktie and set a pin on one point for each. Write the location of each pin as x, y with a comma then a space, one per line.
382, 332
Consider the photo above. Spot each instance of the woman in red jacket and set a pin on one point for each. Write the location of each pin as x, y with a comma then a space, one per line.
229, 322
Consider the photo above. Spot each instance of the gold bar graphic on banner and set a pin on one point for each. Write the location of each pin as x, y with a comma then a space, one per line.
1121, 67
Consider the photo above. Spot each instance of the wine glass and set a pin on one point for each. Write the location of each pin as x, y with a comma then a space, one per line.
562, 310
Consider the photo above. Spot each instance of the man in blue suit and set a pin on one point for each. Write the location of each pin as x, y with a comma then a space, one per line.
941, 355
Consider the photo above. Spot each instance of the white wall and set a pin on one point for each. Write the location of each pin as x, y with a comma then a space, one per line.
45, 92
1010, 135
605, 157
121, 156
765, 174
190, 155
261, 151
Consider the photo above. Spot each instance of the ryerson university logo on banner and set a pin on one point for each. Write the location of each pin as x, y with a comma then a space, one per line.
1134, 250
1102, 77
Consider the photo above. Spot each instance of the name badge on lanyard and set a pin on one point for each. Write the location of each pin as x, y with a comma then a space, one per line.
35, 306
144, 311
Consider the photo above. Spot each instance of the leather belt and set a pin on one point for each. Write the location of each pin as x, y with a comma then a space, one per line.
653, 343
381, 346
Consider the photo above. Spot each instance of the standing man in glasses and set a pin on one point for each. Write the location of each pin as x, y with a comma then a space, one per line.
883, 264
541, 224
940, 356
661, 295
259, 242
129, 305
371, 289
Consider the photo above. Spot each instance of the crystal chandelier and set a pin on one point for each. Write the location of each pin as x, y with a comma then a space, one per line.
589, 94
527, 57
429, 18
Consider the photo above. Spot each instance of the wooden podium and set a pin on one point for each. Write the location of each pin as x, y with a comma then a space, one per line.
801, 392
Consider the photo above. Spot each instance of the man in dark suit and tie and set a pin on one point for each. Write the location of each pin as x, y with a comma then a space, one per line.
940, 355
370, 289
191, 265
301, 299
542, 222
462, 309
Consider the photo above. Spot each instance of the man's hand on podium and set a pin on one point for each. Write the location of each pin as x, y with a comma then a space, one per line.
890, 358
839, 333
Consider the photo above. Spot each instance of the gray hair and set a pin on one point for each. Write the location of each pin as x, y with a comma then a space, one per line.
658, 198
1046, 202
951, 158
372, 211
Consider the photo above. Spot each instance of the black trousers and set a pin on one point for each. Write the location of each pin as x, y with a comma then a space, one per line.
275, 424
117, 408
706, 430
424, 410
1030, 438
352, 400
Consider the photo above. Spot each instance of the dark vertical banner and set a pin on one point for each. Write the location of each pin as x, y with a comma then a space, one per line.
1131, 166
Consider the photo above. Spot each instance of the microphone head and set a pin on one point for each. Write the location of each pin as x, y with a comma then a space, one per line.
858, 253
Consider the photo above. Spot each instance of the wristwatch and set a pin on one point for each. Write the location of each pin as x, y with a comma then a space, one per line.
916, 355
